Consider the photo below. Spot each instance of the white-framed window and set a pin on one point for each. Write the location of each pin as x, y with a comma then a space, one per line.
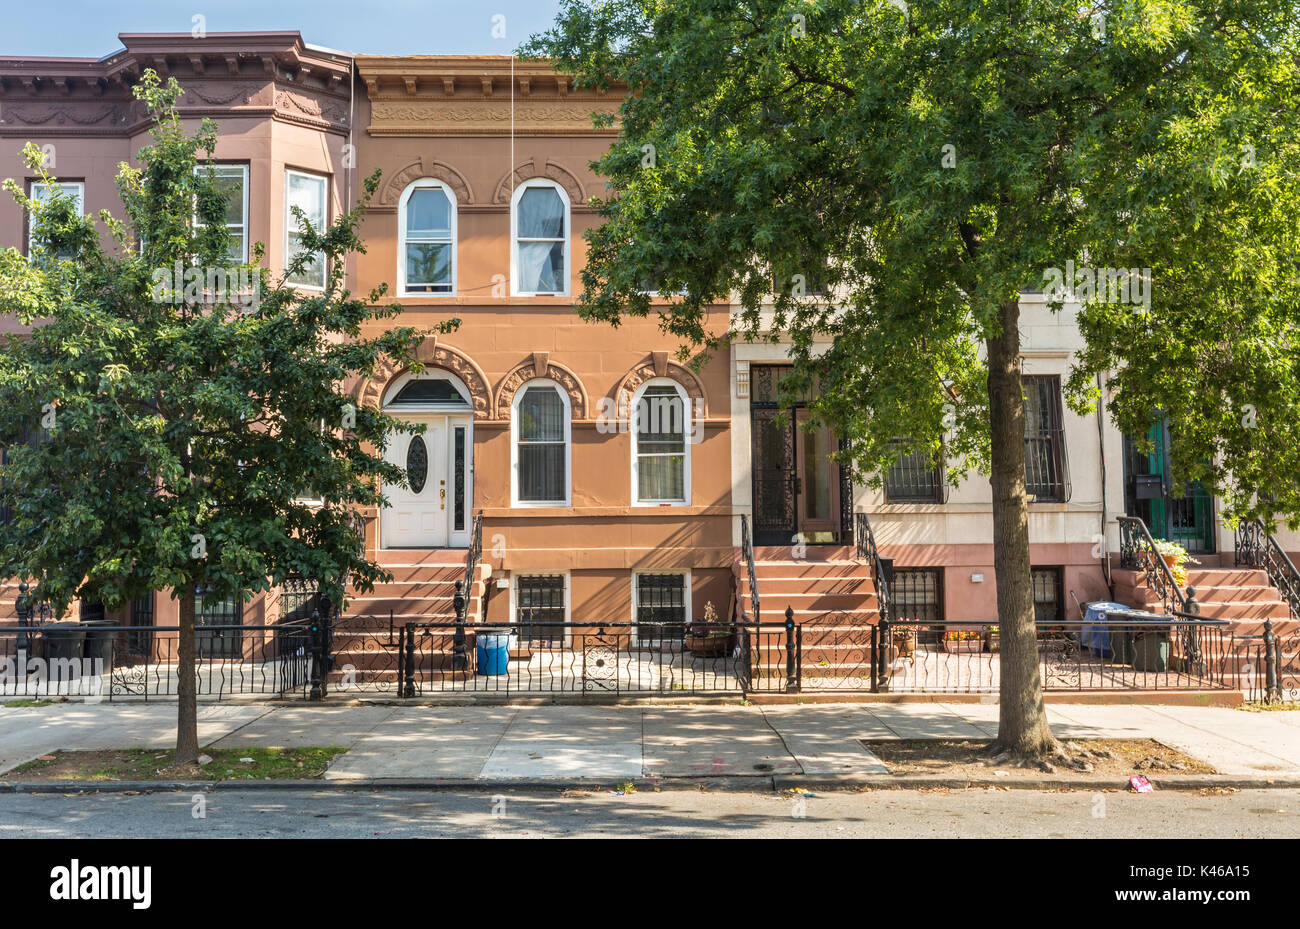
232, 180
661, 448
41, 191
539, 600
661, 605
426, 224
540, 439
539, 242
308, 192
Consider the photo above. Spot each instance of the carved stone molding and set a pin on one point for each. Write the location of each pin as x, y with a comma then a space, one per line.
239, 94
420, 168
61, 114
646, 371
300, 104
434, 355
528, 370
457, 116
529, 170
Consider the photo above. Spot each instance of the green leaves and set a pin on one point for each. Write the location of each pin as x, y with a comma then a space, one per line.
172, 432
931, 167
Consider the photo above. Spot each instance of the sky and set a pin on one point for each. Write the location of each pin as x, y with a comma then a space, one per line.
89, 28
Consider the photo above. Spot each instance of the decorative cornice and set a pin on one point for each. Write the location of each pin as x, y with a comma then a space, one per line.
266, 74
471, 96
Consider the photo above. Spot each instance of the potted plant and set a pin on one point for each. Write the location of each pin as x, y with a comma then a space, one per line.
710, 638
1176, 557
991, 639
963, 641
904, 642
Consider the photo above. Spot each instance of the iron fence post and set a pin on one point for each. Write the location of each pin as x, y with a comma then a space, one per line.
409, 632
880, 657
23, 604
459, 656
1271, 689
875, 645
791, 662
317, 657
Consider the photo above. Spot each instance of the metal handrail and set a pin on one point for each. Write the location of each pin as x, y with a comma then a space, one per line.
1137, 551
472, 557
747, 552
1255, 547
865, 540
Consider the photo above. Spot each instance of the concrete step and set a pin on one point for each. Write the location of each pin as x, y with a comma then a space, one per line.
805, 569
816, 602
766, 553
800, 585
1226, 577
424, 557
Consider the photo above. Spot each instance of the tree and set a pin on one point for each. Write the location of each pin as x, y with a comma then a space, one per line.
928, 163
190, 404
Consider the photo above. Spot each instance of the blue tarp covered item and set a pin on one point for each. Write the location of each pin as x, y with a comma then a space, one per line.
1097, 638
493, 647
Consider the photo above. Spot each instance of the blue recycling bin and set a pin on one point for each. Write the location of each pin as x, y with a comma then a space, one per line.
492, 648
1096, 638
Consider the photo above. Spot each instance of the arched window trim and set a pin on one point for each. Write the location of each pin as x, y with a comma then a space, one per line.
426, 183
514, 444
634, 430
515, 290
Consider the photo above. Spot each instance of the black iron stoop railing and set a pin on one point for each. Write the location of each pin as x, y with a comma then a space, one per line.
747, 553
1255, 547
1137, 551
1275, 667
881, 568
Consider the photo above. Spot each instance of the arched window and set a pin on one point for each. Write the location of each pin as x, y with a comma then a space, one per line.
426, 218
661, 450
540, 241
540, 435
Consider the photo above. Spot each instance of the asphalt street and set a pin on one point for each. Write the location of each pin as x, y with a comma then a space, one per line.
649, 813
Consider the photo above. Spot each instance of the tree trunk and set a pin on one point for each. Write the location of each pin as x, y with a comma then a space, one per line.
187, 726
1022, 718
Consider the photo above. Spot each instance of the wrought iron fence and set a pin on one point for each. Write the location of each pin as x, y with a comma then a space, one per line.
834, 652
965, 657
1268, 665
108, 662
580, 658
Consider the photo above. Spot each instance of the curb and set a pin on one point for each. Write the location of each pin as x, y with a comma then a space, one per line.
751, 782
1021, 782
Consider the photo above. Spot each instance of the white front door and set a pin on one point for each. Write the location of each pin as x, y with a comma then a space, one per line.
433, 511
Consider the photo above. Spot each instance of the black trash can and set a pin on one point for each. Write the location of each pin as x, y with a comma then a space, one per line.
1151, 649
101, 640
64, 642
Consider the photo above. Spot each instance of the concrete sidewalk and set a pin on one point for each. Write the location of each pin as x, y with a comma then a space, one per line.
540, 743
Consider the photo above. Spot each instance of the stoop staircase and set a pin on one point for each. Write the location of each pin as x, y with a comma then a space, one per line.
421, 591
831, 595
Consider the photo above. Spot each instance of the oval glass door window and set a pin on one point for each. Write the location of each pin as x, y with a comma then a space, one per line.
417, 463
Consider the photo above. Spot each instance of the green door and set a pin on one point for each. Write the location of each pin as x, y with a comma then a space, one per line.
1184, 514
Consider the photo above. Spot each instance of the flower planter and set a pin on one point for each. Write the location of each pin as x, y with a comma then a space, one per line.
991, 642
963, 646
709, 646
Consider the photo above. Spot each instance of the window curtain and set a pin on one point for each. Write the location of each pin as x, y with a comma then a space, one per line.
661, 445
541, 263
541, 446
